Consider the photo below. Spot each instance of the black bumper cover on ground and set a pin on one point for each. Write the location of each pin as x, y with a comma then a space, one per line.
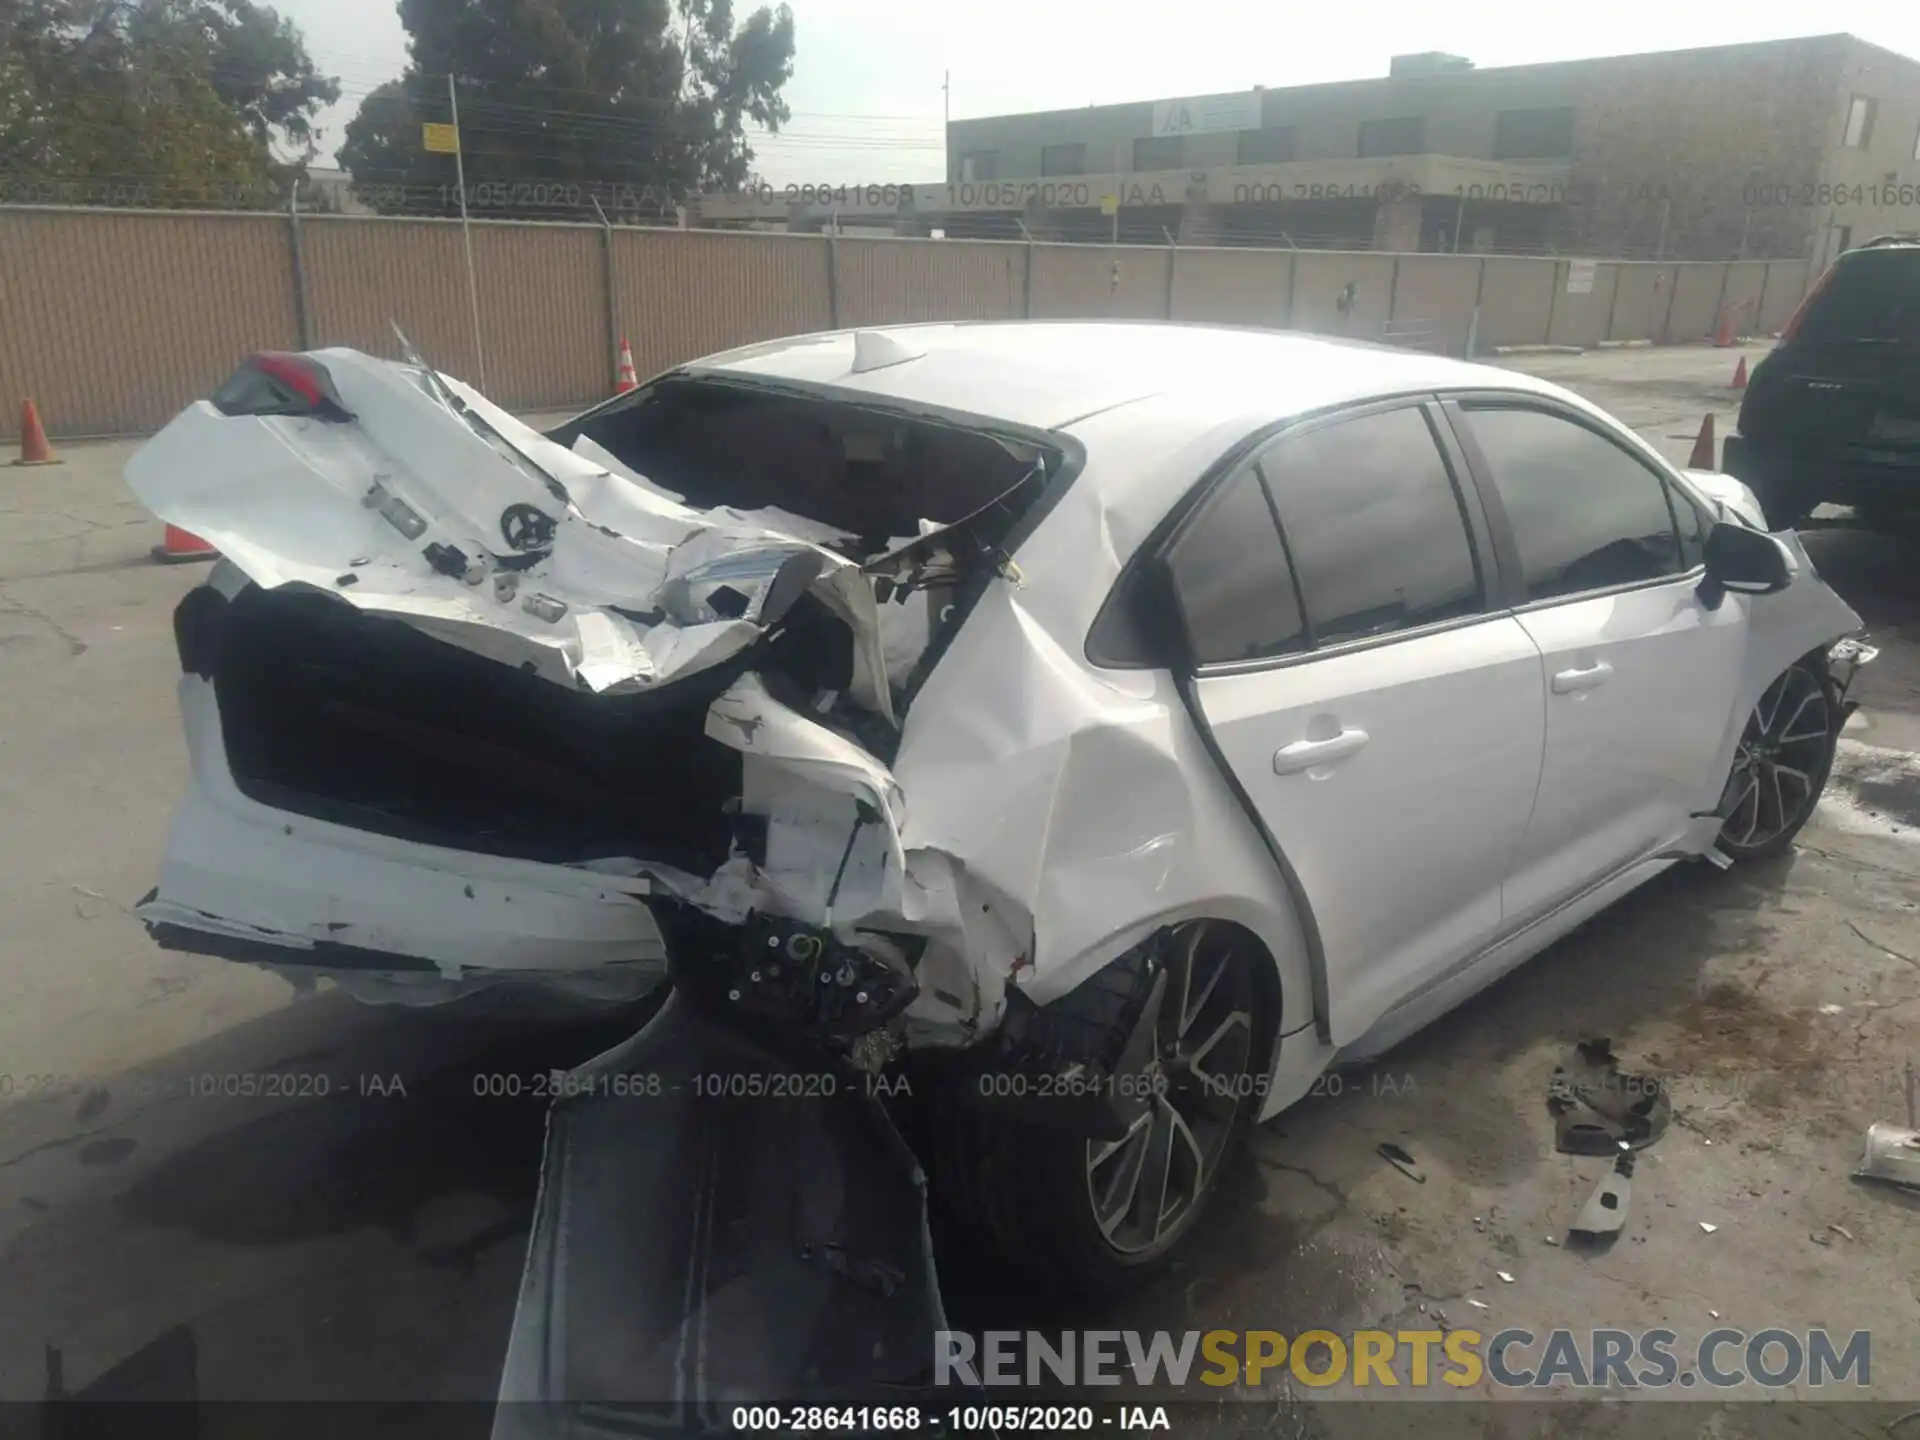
695, 1251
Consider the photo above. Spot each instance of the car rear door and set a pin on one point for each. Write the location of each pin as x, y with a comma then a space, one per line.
1382, 717
1643, 676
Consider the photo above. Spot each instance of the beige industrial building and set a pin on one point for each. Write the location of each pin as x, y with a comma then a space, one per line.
1785, 149
1782, 149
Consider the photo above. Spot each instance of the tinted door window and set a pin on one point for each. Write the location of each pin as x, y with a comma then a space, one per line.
1230, 572
1585, 514
1374, 526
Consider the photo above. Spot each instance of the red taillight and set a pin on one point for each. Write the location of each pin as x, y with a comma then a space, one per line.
275, 382
296, 372
1800, 311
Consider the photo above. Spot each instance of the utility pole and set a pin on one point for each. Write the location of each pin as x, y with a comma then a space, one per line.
466, 231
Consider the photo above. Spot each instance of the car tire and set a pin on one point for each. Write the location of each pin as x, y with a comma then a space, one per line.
1084, 1216
1781, 763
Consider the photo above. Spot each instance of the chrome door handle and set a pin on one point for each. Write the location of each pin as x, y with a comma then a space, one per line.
1305, 754
1568, 681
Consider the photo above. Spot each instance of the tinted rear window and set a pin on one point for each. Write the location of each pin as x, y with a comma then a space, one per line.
1873, 297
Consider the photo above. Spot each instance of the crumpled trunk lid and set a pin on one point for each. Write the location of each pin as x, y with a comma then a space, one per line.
482, 532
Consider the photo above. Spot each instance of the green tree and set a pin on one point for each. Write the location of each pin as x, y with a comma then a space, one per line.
635, 102
173, 101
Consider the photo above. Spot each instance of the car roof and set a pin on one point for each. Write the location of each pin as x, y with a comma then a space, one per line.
1047, 374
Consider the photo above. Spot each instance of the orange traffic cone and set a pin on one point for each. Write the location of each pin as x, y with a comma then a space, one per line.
626, 378
1740, 374
34, 449
1702, 456
179, 546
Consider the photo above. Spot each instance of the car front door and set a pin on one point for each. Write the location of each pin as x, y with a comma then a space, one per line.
1603, 556
1382, 718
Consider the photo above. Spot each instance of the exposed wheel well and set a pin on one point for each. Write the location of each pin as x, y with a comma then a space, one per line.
1272, 999
1092, 1016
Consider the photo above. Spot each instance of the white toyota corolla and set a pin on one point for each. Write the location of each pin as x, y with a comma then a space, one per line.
1125, 721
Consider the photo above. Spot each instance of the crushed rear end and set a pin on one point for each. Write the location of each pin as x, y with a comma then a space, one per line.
466, 705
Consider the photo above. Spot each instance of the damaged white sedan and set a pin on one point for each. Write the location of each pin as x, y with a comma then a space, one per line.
1126, 722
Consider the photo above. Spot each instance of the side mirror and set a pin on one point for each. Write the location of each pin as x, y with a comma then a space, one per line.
1746, 562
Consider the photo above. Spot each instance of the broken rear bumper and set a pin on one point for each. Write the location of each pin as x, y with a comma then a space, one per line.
717, 1224
244, 881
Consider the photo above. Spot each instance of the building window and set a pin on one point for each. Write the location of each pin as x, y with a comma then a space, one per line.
1859, 123
1272, 145
980, 165
1063, 160
1405, 136
1160, 152
1533, 134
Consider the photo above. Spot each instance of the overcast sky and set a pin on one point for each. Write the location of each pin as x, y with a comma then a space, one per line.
866, 90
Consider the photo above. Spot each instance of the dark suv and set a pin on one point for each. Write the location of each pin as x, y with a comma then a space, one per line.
1833, 413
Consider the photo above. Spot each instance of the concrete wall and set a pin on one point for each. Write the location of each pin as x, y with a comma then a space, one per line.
888, 281
1787, 281
1440, 290
1234, 287
1515, 311
1071, 281
681, 294
115, 320
538, 287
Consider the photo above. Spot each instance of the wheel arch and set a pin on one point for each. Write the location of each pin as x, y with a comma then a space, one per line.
1275, 979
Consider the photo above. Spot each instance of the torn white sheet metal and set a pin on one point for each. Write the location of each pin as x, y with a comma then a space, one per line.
1790, 623
618, 601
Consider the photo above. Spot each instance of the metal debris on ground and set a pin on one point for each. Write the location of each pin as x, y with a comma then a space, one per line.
1893, 1152
1605, 1212
1401, 1161
1477, 1304
1893, 1155
1598, 1107
1504, 1276
1708, 1226
1840, 1230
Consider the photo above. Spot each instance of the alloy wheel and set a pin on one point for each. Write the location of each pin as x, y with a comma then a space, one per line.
1780, 764
1183, 1078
